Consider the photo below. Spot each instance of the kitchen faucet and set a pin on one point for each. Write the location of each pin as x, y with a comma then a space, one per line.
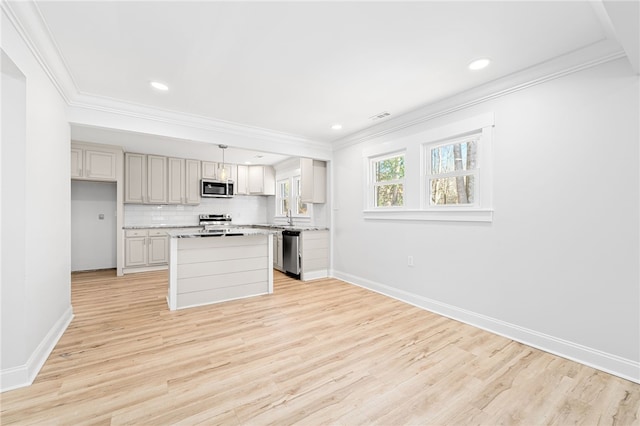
289, 217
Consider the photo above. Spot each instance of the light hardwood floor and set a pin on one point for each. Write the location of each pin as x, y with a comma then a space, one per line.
322, 352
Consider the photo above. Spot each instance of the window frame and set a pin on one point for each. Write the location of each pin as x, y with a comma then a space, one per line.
293, 197
279, 197
296, 195
373, 183
428, 174
417, 206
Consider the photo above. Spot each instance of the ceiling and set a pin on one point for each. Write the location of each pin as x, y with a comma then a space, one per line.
290, 70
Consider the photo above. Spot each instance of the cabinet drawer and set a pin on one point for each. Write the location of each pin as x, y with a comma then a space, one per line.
157, 232
135, 233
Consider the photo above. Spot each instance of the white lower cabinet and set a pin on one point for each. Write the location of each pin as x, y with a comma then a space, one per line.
315, 254
135, 251
158, 247
277, 252
145, 248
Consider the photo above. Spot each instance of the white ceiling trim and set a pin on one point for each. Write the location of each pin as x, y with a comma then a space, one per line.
100, 104
27, 19
593, 55
28, 22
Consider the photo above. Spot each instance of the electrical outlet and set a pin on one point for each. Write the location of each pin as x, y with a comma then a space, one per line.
410, 261
101, 216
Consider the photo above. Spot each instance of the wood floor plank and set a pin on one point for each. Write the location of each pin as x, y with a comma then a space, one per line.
320, 352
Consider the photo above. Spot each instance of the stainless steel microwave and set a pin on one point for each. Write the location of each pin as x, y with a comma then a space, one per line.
216, 188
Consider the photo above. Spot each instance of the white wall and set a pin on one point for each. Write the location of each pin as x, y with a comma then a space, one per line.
558, 266
45, 232
93, 240
12, 247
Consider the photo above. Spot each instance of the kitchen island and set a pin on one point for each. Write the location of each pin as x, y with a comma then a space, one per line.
215, 266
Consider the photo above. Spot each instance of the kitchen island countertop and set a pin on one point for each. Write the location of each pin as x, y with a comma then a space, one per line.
225, 232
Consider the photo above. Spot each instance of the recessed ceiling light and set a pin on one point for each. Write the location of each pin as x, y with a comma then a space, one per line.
336, 126
159, 86
479, 64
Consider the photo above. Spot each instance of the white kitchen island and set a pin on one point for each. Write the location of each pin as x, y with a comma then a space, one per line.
212, 267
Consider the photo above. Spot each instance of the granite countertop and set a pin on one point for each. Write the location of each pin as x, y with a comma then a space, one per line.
292, 227
226, 232
248, 226
160, 226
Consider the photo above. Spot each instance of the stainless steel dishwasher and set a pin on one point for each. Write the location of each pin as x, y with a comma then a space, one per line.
291, 252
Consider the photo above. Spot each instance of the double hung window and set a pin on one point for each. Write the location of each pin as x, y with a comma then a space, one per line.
442, 173
282, 197
288, 198
387, 181
452, 172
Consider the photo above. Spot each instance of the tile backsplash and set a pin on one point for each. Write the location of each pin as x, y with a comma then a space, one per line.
244, 210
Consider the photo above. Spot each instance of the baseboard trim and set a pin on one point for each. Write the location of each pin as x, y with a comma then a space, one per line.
609, 363
24, 375
314, 275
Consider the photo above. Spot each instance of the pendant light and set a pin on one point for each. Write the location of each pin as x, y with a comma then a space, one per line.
222, 172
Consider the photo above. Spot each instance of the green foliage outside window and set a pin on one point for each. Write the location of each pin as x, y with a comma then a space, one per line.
389, 182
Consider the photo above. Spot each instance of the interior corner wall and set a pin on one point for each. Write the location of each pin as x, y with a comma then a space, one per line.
35, 219
558, 268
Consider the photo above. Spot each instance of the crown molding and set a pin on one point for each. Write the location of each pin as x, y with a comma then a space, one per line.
28, 22
99, 104
590, 56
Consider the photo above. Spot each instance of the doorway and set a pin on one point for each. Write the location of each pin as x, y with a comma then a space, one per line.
93, 225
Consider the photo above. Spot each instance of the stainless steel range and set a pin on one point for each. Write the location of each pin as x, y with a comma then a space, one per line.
216, 223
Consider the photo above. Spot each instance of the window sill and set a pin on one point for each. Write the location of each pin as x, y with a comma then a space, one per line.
443, 215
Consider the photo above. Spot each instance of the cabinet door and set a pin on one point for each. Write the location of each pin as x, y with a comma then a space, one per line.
278, 254
256, 179
158, 250
100, 165
76, 163
313, 177
319, 182
242, 180
156, 179
176, 184
231, 171
135, 178
192, 182
269, 181
262, 180
135, 251
209, 170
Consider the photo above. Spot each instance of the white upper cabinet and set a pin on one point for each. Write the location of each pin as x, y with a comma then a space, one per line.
262, 180
242, 180
176, 181
313, 181
135, 178
192, 182
156, 179
90, 162
211, 170
153, 179
76, 162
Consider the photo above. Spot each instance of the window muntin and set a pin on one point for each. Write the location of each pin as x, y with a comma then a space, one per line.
452, 175
387, 175
301, 208
288, 193
282, 197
